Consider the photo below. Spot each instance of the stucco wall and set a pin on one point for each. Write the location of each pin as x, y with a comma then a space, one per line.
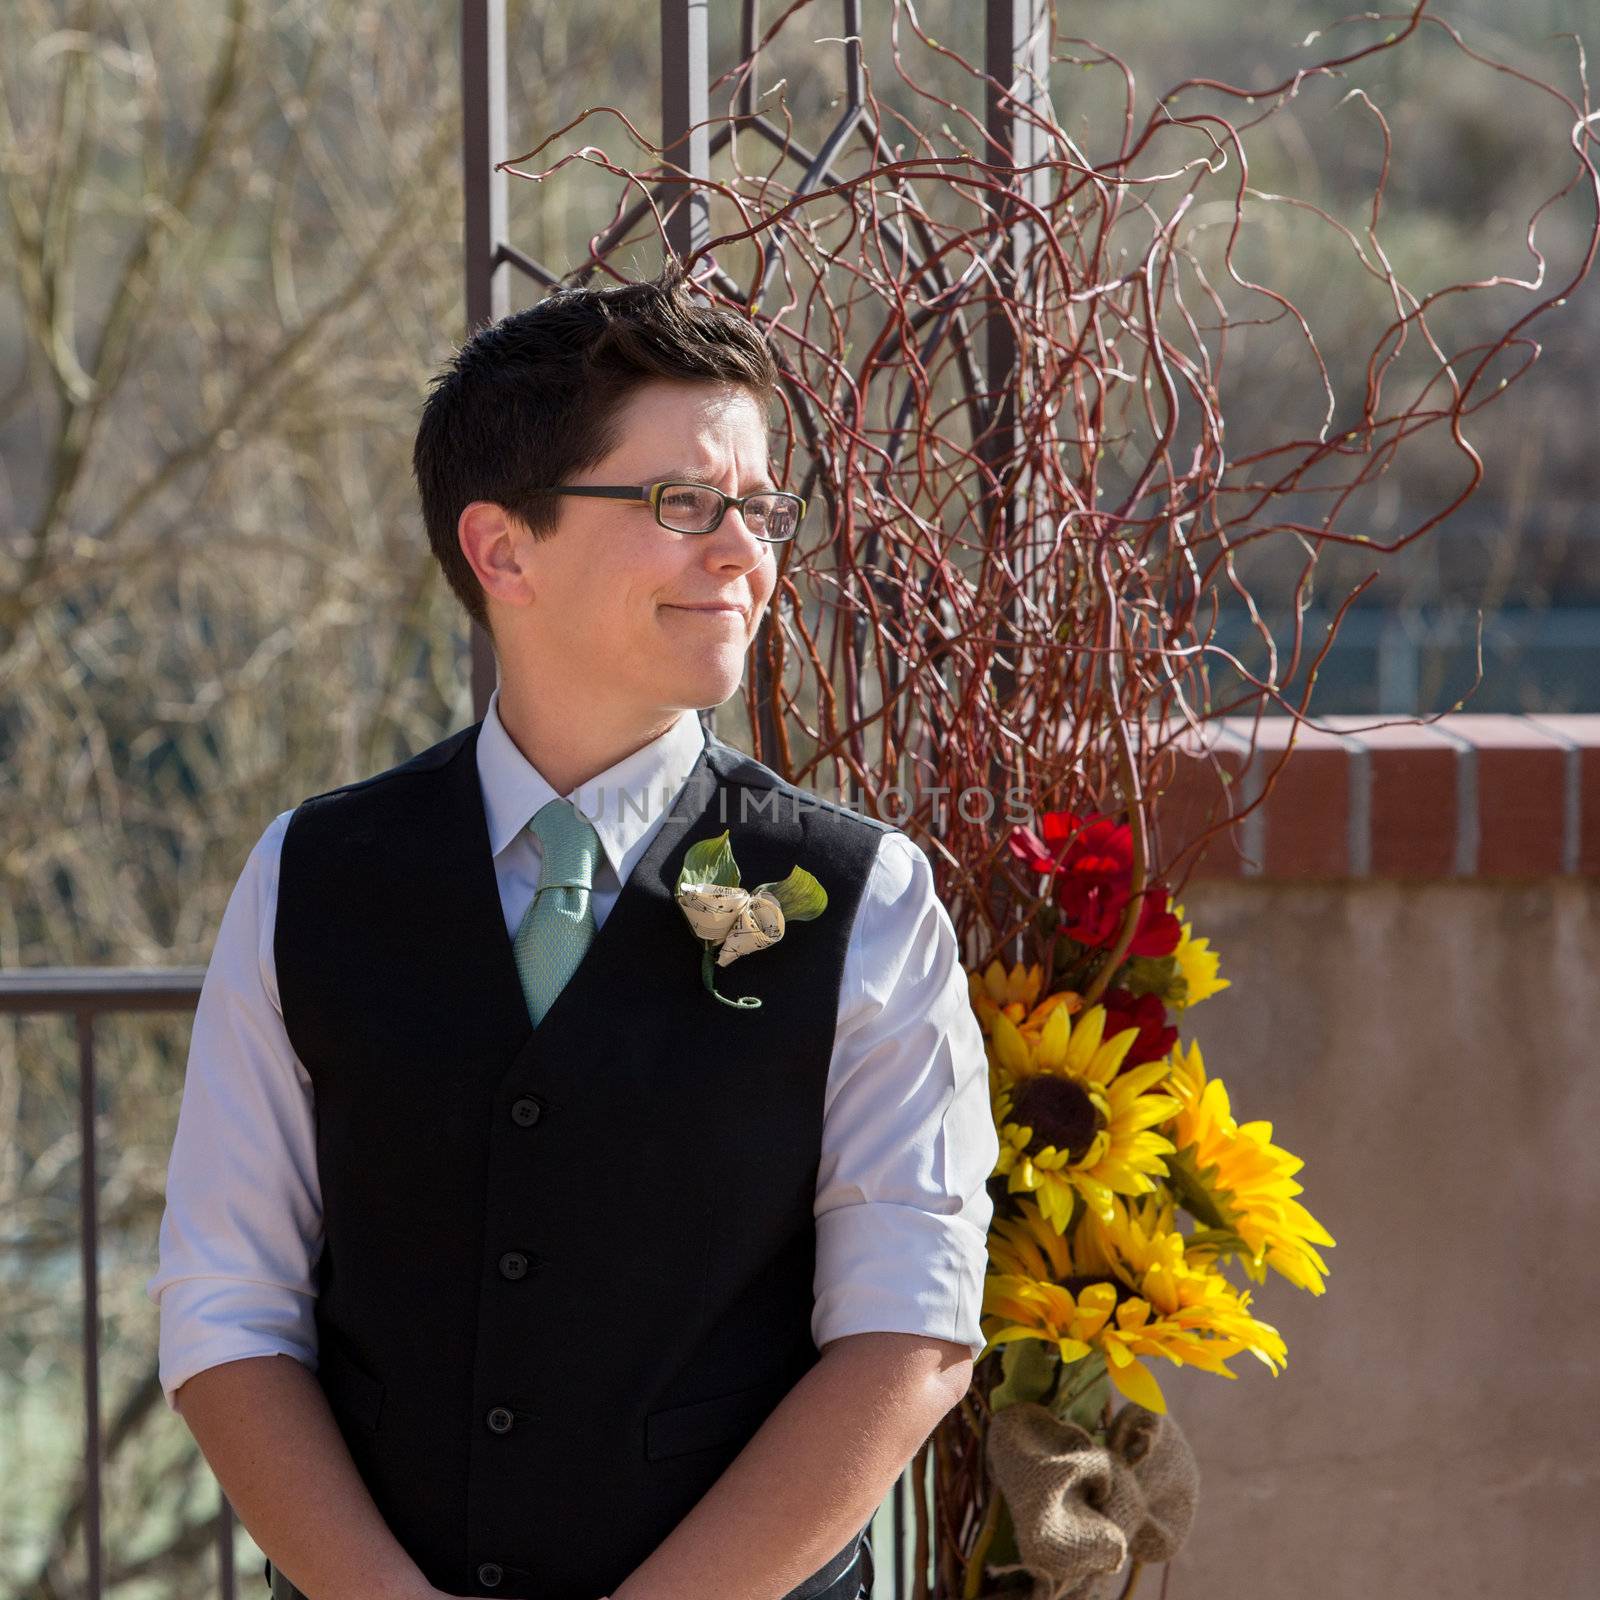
1432, 1051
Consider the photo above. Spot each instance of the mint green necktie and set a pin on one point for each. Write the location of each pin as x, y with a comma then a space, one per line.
558, 926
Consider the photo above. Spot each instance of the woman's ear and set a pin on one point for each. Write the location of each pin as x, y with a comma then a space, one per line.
496, 545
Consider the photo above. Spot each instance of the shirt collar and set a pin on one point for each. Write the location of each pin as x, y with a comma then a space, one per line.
622, 802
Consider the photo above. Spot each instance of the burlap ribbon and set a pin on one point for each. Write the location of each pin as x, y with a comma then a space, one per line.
1080, 1508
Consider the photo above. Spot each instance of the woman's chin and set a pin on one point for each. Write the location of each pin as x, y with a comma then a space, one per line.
708, 678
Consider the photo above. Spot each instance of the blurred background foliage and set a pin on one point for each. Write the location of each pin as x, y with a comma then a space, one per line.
232, 236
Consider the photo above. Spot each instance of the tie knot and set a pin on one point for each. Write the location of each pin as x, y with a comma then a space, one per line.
568, 845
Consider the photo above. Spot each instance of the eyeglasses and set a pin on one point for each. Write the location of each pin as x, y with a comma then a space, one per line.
772, 514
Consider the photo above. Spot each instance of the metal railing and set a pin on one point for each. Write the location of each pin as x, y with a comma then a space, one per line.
86, 994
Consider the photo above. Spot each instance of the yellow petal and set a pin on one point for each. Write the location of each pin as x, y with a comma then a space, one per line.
1136, 1382
1010, 1045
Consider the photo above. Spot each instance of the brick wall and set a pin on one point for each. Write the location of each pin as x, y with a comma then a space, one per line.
1465, 796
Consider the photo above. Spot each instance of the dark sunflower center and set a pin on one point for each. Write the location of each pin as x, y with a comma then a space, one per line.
1058, 1111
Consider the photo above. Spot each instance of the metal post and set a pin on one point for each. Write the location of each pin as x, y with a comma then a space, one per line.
89, 1254
683, 104
488, 285
1017, 56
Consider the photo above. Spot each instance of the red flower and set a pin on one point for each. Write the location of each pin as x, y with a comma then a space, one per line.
1144, 1012
1094, 845
1091, 859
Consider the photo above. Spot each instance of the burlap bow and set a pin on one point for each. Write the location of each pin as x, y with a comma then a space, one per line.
1080, 1508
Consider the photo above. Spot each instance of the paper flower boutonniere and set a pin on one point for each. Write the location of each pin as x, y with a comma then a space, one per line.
731, 921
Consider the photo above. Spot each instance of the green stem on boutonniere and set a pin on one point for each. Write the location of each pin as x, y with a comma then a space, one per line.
745, 1002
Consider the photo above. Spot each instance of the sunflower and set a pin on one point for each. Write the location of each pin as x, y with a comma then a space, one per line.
1070, 1121
1203, 1317
997, 990
1015, 997
1025, 1291
1198, 964
1238, 1183
1121, 1289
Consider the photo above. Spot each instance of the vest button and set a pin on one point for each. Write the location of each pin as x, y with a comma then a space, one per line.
513, 1264
489, 1574
500, 1420
525, 1112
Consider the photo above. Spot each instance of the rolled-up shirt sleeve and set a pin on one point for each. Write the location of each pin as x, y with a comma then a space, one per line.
242, 1226
902, 1208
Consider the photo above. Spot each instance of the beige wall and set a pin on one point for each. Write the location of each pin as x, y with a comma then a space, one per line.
1432, 1051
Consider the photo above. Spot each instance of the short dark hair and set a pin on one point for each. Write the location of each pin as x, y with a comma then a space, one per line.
535, 398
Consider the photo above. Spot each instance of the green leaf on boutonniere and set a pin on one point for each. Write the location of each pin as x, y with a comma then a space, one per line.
710, 861
800, 895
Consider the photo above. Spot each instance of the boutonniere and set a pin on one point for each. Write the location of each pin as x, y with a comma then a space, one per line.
731, 921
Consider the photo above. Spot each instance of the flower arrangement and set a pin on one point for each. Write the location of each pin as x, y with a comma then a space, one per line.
1110, 1133
1013, 593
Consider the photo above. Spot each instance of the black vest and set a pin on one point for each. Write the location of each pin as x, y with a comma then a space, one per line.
567, 1270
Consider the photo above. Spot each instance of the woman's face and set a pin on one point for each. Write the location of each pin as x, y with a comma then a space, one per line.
611, 595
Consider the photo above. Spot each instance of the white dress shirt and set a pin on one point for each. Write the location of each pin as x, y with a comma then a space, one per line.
908, 1140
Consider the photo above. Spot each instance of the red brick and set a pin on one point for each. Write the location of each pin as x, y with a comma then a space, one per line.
1583, 729
1307, 808
1413, 796
1521, 782
1196, 798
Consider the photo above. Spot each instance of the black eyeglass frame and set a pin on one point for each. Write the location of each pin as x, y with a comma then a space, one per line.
652, 494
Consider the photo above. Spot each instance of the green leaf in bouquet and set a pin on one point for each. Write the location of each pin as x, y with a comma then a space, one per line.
1028, 1371
1190, 1190
1157, 975
800, 896
1082, 1392
1069, 954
